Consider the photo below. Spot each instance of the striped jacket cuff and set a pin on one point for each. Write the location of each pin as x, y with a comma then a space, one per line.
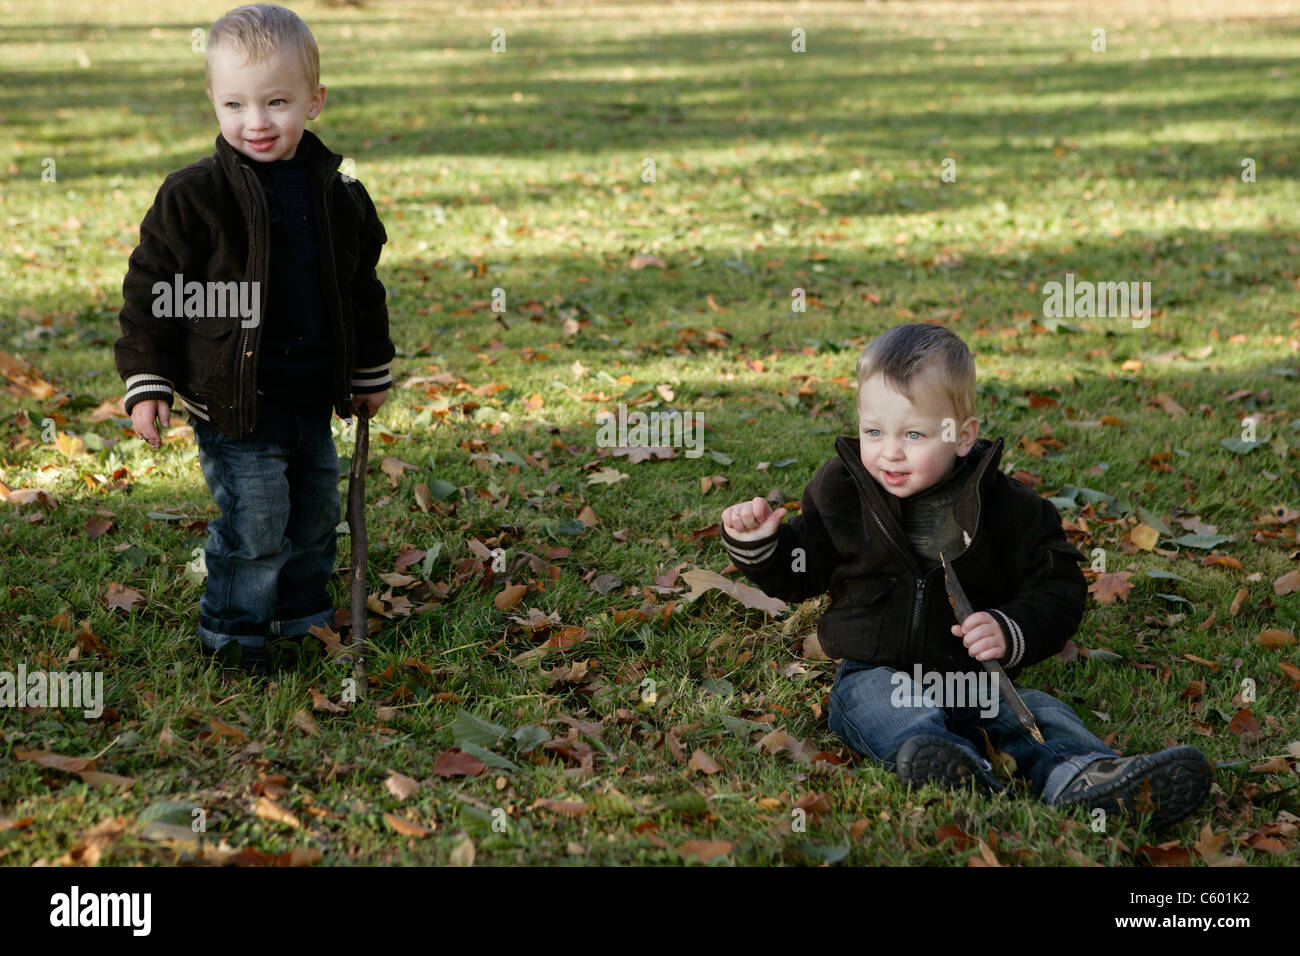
750, 553
1015, 640
146, 385
377, 379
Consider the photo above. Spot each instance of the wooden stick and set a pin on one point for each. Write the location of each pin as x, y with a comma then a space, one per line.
357, 525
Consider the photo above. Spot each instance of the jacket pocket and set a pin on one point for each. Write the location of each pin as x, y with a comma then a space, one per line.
208, 343
857, 624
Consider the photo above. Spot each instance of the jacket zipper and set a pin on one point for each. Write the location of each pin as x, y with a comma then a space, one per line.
245, 404
919, 598
345, 392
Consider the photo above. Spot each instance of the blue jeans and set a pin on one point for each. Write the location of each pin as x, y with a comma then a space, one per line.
271, 553
874, 712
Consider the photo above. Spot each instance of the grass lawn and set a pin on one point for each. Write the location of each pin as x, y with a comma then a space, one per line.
527, 171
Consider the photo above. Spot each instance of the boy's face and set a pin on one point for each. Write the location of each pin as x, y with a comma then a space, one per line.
262, 107
902, 442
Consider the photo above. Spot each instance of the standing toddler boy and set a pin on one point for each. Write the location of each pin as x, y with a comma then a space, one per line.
918, 481
253, 297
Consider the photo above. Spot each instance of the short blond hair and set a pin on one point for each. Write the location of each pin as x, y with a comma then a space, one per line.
260, 31
920, 355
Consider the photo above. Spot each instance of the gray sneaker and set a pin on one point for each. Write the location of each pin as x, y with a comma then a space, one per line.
1169, 785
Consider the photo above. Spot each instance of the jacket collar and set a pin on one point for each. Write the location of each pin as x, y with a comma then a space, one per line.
966, 510
320, 159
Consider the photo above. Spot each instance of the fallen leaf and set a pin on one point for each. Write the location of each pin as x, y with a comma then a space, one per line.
268, 809
1274, 639
510, 596
304, 722
702, 851
122, 597
56, 761
702, 580
567, 808
400, 785
1144, 536
457, 763
463, 854
703, 763
1243, 722
1288, 583
406, 827
1111, 585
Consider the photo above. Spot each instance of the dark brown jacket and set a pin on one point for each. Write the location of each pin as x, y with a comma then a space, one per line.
885, 608
208, 223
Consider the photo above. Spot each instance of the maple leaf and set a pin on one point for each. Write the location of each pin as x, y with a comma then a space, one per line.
122, 597
1111, 585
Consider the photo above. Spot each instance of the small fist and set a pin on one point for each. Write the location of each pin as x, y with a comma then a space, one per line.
143, 414
982, 636
370, 402
751, 520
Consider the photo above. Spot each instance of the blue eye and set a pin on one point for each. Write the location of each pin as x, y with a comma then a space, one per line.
278, 99
917, 434
232, 105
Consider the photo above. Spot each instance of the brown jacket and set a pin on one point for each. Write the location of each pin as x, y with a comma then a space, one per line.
888, 609
209, 224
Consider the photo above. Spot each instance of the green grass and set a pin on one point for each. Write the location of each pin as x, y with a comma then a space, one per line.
774, 171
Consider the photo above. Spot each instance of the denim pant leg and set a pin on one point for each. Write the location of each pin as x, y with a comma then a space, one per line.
875, 709
1068, 744
249, 545
303, 598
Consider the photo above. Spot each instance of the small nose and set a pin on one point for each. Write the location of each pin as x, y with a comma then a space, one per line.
256, 118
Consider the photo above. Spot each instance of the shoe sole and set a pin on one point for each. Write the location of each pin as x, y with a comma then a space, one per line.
1178, 785
934, 759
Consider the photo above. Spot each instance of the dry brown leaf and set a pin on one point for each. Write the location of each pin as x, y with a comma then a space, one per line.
568, 808
395, 468
320, 702
510, 596
112, 779
1144, 536
122, 597
1111, 585
406, 827
305, 722
1288, 583
56, 761
702, 851
703, 762
268, 809
400, 785
463, 854
1275, 640
702, 580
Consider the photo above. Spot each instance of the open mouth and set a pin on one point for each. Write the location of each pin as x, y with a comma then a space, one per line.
261, 145
894, 477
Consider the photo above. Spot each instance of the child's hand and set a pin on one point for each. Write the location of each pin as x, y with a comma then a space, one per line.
751, 520
142, 415
982, 636
370, 401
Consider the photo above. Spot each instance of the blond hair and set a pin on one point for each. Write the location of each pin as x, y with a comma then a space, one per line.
924, 356
260, 31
